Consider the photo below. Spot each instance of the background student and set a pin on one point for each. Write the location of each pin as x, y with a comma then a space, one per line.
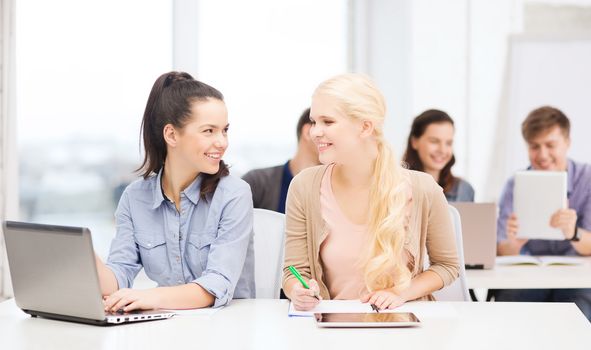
186, 222
430, 149
269, 185
546, 132
364, 216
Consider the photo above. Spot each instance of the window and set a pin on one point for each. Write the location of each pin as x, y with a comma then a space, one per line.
267, 57
84, 75
83, 78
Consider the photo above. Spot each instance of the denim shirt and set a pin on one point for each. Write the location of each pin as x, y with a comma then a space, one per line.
461, 192
209, 242
579, 199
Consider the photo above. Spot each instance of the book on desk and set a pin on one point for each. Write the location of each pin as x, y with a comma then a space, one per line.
546, 260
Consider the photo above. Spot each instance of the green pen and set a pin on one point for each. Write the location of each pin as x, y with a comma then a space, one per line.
297, 275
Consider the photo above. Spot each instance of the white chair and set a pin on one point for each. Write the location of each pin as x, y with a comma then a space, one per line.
458, 290
269, 236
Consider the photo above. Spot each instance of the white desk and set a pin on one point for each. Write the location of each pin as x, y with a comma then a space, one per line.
264, 324
531, 277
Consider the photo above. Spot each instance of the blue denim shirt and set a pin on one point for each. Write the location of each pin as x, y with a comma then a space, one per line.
461, 192
579, 199
209, 242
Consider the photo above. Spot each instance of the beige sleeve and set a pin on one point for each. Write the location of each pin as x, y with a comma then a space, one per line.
441, 241
296, 245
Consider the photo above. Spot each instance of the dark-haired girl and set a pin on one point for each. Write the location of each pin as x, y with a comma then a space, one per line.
187, 222
430, 149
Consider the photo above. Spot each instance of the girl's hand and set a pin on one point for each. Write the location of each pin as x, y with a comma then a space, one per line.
305, 299
384, 299
132, 299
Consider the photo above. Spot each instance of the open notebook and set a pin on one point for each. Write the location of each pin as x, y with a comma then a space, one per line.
423, 309
539, 260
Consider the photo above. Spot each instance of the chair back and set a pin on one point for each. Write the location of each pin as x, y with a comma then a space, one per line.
269, 236
458, 290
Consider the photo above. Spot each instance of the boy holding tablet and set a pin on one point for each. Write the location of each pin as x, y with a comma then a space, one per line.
546, 132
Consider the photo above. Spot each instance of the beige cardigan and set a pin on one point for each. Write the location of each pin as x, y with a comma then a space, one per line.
430, 228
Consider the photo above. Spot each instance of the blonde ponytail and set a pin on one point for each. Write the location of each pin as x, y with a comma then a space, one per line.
385, 261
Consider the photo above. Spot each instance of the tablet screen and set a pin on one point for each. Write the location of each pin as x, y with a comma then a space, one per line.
384, 319
537, 195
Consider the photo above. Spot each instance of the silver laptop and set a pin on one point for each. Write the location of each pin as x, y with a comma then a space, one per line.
54, 275
479, 233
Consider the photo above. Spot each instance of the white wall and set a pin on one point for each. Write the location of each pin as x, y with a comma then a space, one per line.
533, 83
387, 53
491, 24
440, 64
266, 57
453, 55
184, 29
441, 54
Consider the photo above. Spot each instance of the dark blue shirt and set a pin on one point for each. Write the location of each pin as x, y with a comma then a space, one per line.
285, 181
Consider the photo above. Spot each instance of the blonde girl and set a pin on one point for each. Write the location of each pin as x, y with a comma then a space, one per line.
360, 226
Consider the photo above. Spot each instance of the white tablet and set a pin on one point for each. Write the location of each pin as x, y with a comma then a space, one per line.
536, 196
362, 320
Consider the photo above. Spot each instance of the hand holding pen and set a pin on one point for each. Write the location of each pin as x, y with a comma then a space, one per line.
375, 308
383, 299
304, 296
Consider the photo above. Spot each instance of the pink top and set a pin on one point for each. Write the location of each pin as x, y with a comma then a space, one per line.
340, 250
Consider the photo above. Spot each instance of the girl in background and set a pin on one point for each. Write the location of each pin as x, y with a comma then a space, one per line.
430, 149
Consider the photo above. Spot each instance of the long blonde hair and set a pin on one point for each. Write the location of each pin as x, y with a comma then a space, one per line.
385, 260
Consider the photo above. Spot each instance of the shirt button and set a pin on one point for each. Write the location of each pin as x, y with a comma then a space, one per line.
179, 281
178, 258
149, 244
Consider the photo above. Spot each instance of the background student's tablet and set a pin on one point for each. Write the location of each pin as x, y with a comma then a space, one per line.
349, 320
536, 196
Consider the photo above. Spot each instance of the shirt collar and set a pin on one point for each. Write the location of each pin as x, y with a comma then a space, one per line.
158, 192
287, 175
191, 192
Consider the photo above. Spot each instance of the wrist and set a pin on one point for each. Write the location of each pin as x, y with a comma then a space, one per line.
159, 296
402, 294
513, 247
575, 237
520, 245
289, 288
